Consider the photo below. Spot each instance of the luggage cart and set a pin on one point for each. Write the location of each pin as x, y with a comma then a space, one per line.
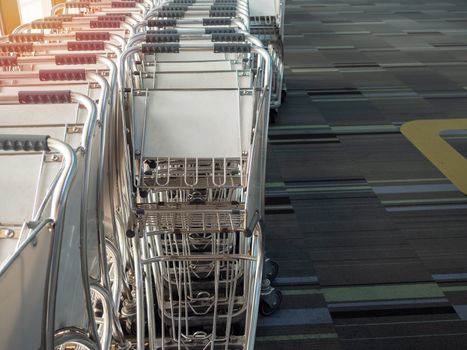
43, 239
194, 201
62, 67
41, 227
29, 111
181, 72
28, 58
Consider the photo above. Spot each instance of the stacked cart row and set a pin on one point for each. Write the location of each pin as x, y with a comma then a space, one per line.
133, 142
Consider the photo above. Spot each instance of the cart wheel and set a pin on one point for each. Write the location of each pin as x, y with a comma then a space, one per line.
273, 115
270, 269
270, 303
101, 302
115, 272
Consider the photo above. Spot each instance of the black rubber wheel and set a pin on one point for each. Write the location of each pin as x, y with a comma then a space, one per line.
274, 302
273, 115
271, 269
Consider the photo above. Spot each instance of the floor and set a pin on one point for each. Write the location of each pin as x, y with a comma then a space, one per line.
370, 237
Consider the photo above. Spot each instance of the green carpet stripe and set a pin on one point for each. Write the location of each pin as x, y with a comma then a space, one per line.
409, 180
372, 293
330, 189
454, 289
424, 201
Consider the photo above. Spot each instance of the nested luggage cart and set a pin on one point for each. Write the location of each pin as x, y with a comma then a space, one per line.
45, 275
155, 194
28, 65
41, 185
197, 148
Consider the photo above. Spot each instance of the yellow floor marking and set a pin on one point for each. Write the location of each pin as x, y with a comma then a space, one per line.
425, 135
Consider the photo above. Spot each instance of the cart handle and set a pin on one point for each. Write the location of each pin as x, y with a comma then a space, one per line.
44, 143
24, 143
155, 37
175, 47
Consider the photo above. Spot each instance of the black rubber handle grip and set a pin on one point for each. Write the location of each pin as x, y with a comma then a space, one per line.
264, 31
92, 36
72, 59
77, 5
123, 4
62, 74
44, 97
162, 31
86, 46
162, 38
222, 13
187, 2
219, 30
61, 18
171, 14
8, 61
217, 21
227, 37
223, 7
174, 7
47, 25
225, 2
232, 48
160, 48
26, 37
161, 23
112, 17
16, 47
96, 24
24, 143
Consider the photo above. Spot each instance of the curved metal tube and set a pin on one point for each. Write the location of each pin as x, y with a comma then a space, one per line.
106, 338
31, 238
56, 7
74, 336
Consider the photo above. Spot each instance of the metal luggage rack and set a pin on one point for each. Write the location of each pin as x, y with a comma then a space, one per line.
200, 273
193, 205
194, 220
179, 198
178, 243
179, 173
200, 315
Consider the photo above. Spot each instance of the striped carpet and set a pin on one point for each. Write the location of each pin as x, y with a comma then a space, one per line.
370, 237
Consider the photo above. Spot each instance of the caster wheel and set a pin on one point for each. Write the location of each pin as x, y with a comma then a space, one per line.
273, 115
284, 96
271, 269
270, 303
